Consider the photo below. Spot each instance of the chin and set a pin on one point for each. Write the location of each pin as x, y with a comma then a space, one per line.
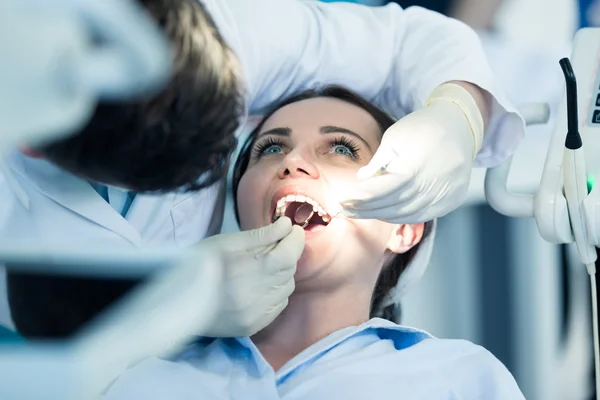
308, 261
315, 259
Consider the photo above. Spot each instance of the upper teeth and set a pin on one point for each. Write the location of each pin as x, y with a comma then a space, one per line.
284, 202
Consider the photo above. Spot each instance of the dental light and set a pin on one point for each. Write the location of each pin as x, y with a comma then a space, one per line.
566, 207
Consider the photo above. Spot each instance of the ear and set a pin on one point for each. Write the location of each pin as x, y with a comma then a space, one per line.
404, 237
29, 152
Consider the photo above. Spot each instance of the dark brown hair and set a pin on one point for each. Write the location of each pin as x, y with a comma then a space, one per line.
180, 138
391, 272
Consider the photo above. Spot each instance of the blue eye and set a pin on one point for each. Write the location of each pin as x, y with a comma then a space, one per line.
273, 149
345, 147
267, 147
343, 150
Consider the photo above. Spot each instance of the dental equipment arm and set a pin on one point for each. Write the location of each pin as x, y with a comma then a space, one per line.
179, 302
157, 320
51, 74
498, 196
564, 209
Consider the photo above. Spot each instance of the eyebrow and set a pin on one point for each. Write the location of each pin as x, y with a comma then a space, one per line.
284, 131
287, 132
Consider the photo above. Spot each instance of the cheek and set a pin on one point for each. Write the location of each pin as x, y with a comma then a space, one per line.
340, 181
378, 233
369, 236
251, 195
354, 248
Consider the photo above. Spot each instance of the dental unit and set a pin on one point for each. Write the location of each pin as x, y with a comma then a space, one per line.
566, 206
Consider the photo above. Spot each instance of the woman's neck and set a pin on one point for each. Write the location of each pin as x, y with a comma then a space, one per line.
308, 318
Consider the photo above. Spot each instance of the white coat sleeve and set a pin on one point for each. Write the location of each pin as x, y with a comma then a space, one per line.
391, 55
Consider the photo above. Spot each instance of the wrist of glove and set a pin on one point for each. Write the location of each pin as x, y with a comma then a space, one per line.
461, 98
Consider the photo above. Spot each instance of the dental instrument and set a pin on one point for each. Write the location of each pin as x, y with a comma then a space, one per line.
383, 169
301, 217
303, 214
566, 207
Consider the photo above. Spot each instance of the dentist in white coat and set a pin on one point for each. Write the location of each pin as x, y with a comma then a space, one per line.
116, 182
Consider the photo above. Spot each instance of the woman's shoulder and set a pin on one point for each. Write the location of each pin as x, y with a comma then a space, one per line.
454, 348
472, 370
468, 368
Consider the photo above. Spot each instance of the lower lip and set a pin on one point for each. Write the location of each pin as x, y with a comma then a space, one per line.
315, 230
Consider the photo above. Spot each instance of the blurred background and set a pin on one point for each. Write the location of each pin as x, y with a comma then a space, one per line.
493, 280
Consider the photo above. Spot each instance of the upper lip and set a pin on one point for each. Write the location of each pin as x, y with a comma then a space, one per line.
293, 189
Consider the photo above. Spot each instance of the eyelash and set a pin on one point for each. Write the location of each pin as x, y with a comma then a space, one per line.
261, 146
351, 145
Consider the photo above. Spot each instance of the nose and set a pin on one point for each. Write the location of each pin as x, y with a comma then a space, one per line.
296, 166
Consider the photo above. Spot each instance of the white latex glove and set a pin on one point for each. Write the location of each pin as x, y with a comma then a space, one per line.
258, 268
219, 289
422, 168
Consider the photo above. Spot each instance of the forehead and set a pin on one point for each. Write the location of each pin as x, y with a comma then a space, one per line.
311, 114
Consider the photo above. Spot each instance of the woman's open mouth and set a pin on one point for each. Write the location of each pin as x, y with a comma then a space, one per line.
303, 211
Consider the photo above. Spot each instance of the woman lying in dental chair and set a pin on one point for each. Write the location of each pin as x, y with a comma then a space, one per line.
328, 343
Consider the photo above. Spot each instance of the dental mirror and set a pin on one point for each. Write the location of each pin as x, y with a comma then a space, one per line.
303, 214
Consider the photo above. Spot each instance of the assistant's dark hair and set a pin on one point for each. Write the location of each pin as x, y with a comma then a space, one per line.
170, 140
391, 272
